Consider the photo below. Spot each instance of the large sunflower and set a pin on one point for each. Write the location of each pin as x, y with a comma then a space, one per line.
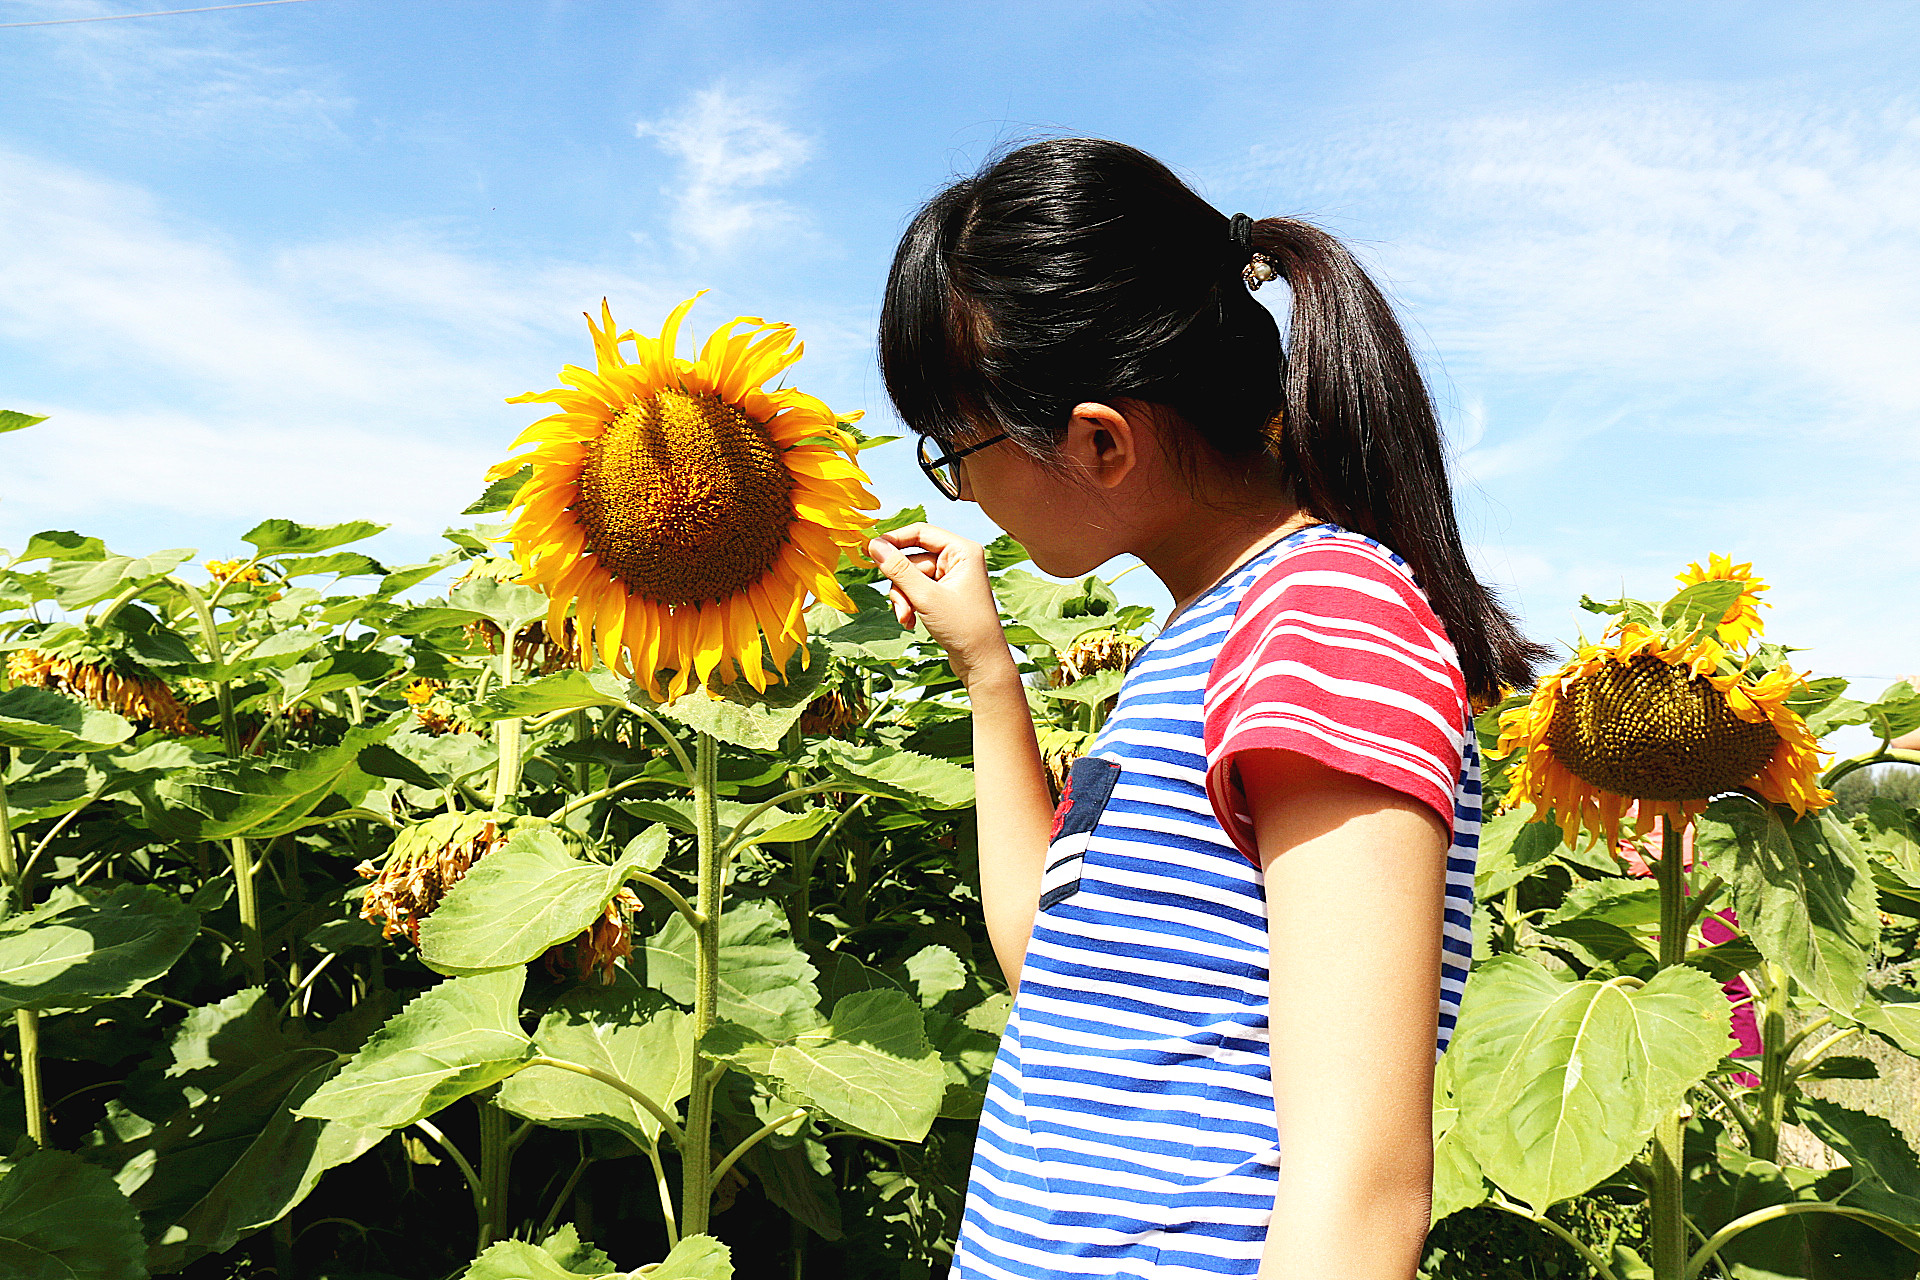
683, 509
1642, 721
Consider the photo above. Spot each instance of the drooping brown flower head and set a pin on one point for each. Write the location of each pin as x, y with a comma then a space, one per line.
835, 711
608, 940
135, 693
1095, 651
424, 862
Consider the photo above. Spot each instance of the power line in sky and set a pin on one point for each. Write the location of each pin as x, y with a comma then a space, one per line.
161, 13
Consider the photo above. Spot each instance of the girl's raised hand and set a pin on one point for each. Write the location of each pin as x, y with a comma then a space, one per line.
940, 579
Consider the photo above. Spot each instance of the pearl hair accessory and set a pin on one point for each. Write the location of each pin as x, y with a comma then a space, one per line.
1259, 268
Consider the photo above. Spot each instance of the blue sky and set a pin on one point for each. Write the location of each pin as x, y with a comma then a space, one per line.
1662, 260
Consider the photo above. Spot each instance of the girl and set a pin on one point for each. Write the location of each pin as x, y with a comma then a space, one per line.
1238, 940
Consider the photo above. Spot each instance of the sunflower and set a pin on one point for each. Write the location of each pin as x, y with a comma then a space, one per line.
423, 864
683, 510
133, 692
1742, 620
1642, 722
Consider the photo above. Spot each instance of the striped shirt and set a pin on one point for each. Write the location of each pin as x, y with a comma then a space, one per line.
1128, 1129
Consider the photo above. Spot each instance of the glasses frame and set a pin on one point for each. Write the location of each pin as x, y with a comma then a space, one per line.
931, 466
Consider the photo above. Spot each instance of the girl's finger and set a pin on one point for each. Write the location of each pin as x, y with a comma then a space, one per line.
910, 581
930, 537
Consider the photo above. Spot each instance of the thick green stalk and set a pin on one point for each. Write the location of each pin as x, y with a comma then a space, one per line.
496, 1160
1669, 1225
1774, 1050
696, 1151
509, 738
25, 1020
252, 948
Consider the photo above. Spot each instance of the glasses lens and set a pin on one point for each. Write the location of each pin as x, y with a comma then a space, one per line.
945, 475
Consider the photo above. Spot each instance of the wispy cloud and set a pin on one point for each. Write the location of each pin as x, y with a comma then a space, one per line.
729, 148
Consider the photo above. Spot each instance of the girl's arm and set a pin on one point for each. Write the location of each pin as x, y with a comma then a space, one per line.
941, 580
1355, 881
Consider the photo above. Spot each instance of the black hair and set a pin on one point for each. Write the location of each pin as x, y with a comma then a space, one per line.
1078, 269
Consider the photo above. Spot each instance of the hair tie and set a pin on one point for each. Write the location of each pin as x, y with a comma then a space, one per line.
1259, 267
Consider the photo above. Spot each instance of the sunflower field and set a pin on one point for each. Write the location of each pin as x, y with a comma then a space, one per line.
610, 907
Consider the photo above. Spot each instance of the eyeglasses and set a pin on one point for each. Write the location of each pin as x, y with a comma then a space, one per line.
944, 469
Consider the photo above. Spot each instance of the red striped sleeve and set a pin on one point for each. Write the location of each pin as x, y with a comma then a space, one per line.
1335, 653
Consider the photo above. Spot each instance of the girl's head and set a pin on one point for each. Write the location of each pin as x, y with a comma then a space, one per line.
1074, 275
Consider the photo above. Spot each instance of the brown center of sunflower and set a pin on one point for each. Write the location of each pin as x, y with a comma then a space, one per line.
1651, 731
684, 498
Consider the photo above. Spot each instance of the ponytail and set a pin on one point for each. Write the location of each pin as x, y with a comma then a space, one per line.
1077, 269
1360, 442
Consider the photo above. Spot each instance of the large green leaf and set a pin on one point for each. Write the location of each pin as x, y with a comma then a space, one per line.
63, 1219
1053, 613
79, 583
1458, 1182
766, 982
872, 634
758, 722
1512, 844
627, 1033
14, 420
898, 775
518, 1260
508, 605
567, 690
499, 495
450, 1041
870, 1066
1804, 891
41, 720
71, 952
334, 672
257, 797
1894, 1012
237, 1158
521, 899
1559, 1084
695, 1258
284, 537
349, 564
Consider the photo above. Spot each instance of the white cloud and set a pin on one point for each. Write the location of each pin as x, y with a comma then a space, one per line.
728, 148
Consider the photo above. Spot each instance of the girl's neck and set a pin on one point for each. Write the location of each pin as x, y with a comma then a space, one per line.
1208, 543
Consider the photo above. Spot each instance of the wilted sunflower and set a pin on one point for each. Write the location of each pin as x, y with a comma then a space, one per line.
1742, 621
422, 864
684, 510
137, 694
608, 940
1643, 722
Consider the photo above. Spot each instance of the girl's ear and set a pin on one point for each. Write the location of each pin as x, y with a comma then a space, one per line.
1102, 444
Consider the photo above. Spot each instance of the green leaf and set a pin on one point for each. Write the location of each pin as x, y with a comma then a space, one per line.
79, 583
567, 1248
507, 605
41, 720
236, 1158
1458, 1182
1053, 613
1560, 1084
382, 761
935, 971
71, 952
872, 633
499, 495
346, 564
415, 622
1841, 1066
1804, 892
518, 1260
450, 1041
898, 775
567, 690
519, 900
62, 544
63, 1219
695, 1258
626, 1033
1896, 711
1701, 605
871, 1067
1894, 1012
334, 672
1877, 1153
1004, 553
766, 982
1089, 690
284, 537
1512, 845
758, 722
14, 420
256, 797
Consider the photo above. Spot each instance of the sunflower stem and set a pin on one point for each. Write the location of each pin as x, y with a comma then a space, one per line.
25, 1020
696, 1151
496, 1159
1775, 1047
1669, 1226
247, 898
509, 738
